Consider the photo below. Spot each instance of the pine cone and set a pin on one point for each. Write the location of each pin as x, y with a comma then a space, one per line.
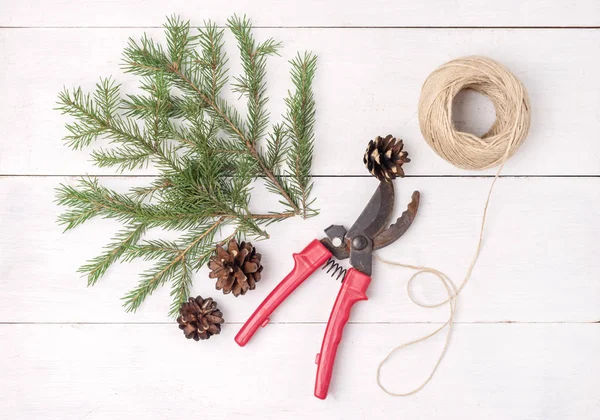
200, 318
237, 269
384, 158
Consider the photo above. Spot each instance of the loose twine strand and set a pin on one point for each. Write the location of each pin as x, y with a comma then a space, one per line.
466, 151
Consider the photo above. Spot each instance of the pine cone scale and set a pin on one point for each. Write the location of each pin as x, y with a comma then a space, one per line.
223, 255
250, 267
240, 276
241, 256
251, 282
213, 319
225, 283
189, 330
214, 329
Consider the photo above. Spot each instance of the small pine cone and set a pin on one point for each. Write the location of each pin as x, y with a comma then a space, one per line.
236, 269
384, 158
200, 318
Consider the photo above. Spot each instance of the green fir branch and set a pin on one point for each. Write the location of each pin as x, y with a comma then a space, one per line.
168, 268
252, 83
90, 199
180, 287
150, 250
149, 55
125, 158
123, 241
299, 122
276, 147
147, 193
91, 122
211, 62
208, 153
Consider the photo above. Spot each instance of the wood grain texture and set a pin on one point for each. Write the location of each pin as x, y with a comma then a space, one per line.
368, 83
539, 262
537, 372
527, 342
311, 13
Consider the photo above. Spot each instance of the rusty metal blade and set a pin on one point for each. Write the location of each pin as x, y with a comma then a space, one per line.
398, 229
376, 213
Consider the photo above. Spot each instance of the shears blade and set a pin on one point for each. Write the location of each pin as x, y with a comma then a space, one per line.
376, 214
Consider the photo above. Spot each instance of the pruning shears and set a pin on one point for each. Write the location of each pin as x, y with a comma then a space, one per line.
370, 232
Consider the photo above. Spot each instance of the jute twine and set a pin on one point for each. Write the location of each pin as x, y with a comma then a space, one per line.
466, 151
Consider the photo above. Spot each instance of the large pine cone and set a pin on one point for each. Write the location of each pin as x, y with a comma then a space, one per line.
237, 269
384, 158
200, 318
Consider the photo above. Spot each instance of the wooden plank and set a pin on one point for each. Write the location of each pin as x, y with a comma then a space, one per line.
309, 13
368, 83
539, 262
536, 371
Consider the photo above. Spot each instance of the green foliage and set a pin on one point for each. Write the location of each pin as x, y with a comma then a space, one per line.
299, 123
207, 152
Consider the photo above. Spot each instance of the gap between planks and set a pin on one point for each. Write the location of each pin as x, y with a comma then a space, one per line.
317, 323
313, 176
322, 27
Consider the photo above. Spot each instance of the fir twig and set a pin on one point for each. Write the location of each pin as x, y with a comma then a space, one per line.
300, 121
124, 240
231, 123
176, 267
207, 153
252, 83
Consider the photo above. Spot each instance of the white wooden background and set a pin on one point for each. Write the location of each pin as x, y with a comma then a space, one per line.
527, 341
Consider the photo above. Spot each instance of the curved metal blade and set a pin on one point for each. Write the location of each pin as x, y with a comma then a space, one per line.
376, 213
398, 229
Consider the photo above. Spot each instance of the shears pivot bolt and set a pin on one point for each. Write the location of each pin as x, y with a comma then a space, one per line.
360, 242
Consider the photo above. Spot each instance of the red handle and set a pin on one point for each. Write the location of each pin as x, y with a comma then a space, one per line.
305, 263
353, 289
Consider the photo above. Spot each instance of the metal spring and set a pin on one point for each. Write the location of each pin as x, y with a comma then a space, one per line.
334, 269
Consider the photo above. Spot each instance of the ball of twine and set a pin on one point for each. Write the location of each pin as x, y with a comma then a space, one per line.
486, 76
466, 151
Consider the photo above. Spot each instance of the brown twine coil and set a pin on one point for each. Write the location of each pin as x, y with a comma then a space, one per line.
466, 151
